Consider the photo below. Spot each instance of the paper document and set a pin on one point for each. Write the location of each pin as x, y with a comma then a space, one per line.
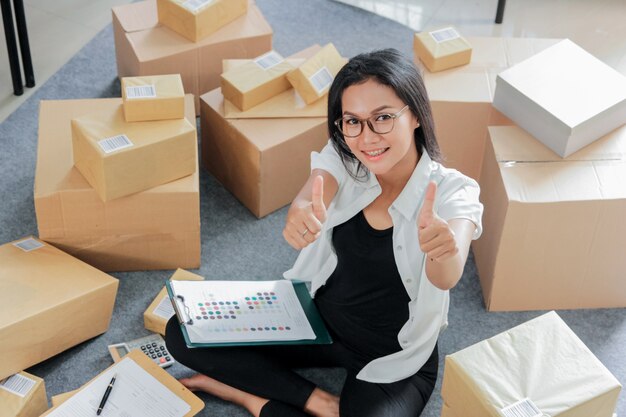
136, 393
241, 311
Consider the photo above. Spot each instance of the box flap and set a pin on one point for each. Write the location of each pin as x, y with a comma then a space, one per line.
137, 16
568, 82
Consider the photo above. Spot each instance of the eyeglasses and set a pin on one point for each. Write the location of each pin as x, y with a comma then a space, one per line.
381, 123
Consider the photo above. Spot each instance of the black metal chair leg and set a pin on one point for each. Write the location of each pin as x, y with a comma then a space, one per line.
22, 33
500, 11
9, 34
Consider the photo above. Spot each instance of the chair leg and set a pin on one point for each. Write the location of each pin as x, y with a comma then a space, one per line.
9, 34
22, 32
500, 11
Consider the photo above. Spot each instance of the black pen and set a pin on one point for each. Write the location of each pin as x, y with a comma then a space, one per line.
106, 395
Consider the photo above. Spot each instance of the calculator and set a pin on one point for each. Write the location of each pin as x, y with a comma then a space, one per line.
153, 346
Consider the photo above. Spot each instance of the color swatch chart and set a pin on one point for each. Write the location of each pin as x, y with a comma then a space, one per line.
233, 311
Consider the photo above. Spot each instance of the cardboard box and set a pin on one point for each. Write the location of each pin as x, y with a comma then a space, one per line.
256, 81
119, 158
442, 48
59, 399
154, 229
563, 96
143, 47
554, 231
157, 97
313, 78
446, 411
50, 302
263, 162
541, 360
197, 19
461, 98
22, 395
158, 313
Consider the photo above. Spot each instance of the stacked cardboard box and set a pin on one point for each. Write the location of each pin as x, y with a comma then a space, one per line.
563, 96
554, 231
50, 302
22, 395
145, 47
461, 98
540, 365
262, 155
442, 48
154, 229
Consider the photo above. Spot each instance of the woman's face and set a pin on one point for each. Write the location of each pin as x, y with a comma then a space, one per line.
386, 153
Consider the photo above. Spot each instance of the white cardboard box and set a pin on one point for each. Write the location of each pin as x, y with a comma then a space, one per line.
563, 96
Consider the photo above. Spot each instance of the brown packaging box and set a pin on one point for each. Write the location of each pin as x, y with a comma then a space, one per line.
158, 313
197, 19
50, 302
542, 362
59, 399
143, 47
158, 97
442, 48
119, 158
256, 81
154, 229
22, 395
461, 98
313, 78
554, 231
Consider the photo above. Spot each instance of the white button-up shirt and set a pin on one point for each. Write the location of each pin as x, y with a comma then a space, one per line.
457, 197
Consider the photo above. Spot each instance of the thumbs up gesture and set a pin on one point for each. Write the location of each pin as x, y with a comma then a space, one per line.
435, 236
305, 218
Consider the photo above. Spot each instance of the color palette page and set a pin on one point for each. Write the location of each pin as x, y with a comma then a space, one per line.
241, 311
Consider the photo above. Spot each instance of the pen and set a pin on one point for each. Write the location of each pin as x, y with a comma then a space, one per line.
106, 395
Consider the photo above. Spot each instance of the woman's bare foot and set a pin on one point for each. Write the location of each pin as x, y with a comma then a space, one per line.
200, 382
322, 404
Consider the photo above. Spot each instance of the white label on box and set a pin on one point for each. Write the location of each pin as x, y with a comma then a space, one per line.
18, 384
28, 244
164, 308
115, 143
321, 79
522, 408
140, 91
444, 35
269, 60
195, 5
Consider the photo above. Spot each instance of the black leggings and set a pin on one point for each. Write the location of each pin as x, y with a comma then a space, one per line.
267, 372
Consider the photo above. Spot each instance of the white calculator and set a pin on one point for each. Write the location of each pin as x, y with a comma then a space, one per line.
153, 346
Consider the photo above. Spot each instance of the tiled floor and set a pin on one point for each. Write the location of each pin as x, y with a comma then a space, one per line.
59, 28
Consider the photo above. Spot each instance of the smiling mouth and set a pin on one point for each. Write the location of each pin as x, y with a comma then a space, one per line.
376, 152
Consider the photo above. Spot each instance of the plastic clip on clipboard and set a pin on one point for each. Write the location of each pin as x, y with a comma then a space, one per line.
322, 336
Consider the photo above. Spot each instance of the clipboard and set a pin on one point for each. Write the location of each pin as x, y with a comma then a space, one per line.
322, 337
157, 372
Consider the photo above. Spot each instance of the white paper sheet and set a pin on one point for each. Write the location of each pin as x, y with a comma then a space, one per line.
135, 393
242, 311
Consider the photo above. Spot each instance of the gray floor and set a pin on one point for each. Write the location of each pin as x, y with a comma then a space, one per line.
235, 245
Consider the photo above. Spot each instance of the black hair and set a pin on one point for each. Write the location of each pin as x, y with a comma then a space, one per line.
388, 67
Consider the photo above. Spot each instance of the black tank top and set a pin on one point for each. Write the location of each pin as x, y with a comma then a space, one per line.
364, 302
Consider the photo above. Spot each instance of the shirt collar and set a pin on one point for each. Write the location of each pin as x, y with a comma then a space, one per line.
408, 200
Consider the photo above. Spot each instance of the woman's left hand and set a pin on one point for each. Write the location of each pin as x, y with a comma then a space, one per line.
436, 238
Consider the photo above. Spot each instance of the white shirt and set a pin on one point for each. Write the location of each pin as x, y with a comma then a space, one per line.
457, 197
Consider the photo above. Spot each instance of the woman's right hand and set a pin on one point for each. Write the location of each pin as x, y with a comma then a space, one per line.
305, 218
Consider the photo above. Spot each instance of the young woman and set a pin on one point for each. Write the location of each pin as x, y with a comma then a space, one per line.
384, 231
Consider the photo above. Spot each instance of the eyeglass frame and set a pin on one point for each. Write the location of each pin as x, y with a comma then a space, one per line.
393, 116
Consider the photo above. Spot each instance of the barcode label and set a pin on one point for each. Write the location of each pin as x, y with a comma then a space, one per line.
140, 91
18, 384
164, 308
321, 79
268, 60
115, 143
195, 5
522, 408
443, 35
28, 244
